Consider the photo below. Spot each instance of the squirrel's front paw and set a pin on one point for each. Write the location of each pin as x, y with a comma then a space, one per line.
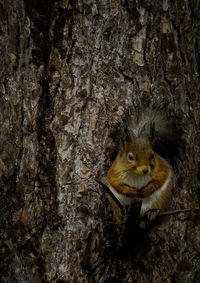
152, 214
147, 191
134, 193
143, 193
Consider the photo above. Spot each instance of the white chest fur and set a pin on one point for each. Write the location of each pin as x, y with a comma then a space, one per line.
136, 181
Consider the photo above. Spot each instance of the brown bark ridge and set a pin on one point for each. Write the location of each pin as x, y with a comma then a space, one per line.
69, 72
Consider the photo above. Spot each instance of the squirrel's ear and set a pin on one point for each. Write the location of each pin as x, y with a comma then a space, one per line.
123, 145
152, 132
126, 134
124, 140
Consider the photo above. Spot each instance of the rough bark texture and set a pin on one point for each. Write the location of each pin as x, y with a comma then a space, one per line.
69, 70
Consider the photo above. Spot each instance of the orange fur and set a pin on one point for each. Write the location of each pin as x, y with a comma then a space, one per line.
138, 172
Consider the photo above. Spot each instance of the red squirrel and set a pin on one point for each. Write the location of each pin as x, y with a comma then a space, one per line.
138, 172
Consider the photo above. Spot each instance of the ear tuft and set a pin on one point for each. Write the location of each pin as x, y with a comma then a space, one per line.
152, 132
126, 136
123, 145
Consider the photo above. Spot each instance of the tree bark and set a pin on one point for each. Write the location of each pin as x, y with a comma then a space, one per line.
69, 72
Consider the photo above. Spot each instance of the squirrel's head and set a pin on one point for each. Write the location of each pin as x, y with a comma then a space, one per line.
137, 156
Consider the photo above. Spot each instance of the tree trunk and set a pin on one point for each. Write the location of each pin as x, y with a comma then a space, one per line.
69, 72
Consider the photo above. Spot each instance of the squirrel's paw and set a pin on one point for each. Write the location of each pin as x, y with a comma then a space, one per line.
152, 214
147, 191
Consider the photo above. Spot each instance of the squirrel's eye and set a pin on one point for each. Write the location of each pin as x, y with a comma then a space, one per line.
130, 156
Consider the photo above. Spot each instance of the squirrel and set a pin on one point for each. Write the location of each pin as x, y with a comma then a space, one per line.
138, 172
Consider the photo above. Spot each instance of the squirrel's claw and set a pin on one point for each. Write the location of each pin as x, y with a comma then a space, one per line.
152, 214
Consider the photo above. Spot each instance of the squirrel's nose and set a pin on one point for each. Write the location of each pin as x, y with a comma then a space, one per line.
145, 171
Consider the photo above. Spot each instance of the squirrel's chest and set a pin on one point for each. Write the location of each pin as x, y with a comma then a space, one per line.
134, 181
137, 181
